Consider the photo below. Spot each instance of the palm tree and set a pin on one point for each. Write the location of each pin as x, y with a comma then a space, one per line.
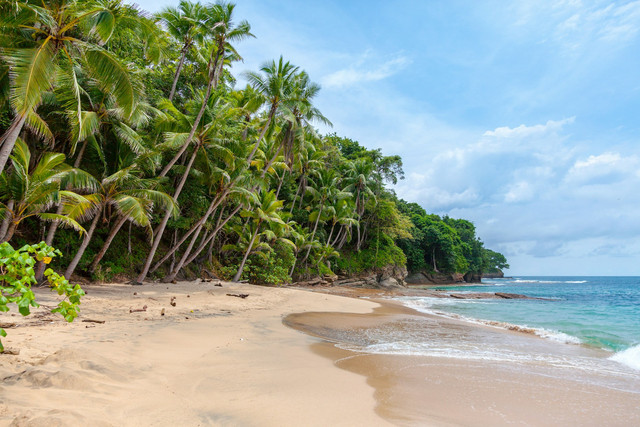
131, 197
223, 32
265, 210
276, 86
324, 188
35, 190
359, 181
185, 24
58, 37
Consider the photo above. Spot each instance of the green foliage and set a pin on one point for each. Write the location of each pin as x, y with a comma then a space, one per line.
17, 275
381, 252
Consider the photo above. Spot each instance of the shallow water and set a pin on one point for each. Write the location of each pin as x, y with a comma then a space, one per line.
600, 312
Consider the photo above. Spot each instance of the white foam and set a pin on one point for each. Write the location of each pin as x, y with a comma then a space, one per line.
629, 357
425, 304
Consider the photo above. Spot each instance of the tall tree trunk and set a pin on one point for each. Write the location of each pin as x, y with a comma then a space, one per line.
313, 233
7, 219
246, 255
211, 237
83, 246
212, 84
295, 197
331, 232
10, 138
174, 271
165, 220
293, 267
273, 159
177, 75
10, 232
272, 113
194, 228
107, 243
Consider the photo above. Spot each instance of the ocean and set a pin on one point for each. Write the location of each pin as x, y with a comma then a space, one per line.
584, 324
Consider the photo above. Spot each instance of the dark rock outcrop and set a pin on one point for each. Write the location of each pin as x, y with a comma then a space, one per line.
473, 277
498, 275
389, 277
424, 278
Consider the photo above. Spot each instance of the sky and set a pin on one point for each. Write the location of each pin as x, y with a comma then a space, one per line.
519, 116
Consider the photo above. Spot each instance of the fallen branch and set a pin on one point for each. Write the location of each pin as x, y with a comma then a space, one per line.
243, 296
136, 310
92, 321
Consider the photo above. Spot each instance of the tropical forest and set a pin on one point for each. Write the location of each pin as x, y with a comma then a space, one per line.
138, 147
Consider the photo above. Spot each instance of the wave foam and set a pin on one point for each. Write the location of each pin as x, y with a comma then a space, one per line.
629, 357
424, 305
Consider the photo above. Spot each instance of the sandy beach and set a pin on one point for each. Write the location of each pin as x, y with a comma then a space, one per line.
220, 359
213, 359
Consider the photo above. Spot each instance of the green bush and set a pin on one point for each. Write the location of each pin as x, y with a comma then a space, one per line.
17, 275
380, 253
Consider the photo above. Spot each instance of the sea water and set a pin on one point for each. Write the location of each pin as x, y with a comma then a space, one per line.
591, 324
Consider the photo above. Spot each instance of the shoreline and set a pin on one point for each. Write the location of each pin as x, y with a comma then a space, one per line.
270, 359
451, 391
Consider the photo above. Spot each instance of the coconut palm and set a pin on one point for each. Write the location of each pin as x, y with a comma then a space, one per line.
222, 32
275, 84
34, 190
265, 210
185, 24
60, 37
131, 197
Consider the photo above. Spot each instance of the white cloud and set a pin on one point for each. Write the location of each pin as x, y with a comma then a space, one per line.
365, 70
524, 131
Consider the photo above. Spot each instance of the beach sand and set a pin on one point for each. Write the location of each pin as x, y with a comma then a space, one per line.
215, 359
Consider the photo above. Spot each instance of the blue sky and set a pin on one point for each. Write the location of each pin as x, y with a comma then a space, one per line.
520, 116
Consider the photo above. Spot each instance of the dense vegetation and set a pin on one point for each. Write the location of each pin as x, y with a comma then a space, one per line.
128, 145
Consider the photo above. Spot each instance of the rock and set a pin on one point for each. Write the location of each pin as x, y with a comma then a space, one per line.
473, 277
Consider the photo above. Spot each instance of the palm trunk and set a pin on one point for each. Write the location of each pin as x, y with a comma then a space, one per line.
211, 237
183, 239
293, 267
213, 83
295, 197
272, 113
165, 220
246, 255
284, 174
85, 243
10, 232
107, 243
331, 232
187, 252
273, 159
9, 139
7, 220
177, 75
313, 234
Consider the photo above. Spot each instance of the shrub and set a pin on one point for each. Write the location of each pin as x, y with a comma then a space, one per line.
17, 275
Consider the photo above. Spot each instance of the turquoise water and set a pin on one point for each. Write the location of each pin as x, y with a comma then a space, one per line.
602, 312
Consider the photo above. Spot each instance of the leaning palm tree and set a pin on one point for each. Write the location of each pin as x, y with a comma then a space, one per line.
57, 38
185, 25
223, 31
132, 198
35, 190
265, 211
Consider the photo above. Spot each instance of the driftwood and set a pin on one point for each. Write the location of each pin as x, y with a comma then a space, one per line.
136, 310
7, 325
243, 296
92, 321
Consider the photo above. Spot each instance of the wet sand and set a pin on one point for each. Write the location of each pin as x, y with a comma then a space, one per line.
422, 390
